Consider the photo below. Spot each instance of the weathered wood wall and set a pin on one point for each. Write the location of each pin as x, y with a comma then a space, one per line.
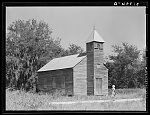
90, 68
80, 78
100, 71
50, 81
96, 69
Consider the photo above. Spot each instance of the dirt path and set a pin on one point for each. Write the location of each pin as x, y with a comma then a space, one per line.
98, 101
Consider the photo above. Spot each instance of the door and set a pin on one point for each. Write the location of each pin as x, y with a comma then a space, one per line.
99, 86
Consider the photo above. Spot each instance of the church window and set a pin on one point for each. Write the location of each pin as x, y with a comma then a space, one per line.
100, 46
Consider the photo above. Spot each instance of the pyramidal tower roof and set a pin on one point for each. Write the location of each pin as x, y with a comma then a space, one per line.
94, 37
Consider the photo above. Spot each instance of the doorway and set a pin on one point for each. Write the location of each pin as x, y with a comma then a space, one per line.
98, 86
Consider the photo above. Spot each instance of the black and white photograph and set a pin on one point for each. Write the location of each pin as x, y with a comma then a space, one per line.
75, 58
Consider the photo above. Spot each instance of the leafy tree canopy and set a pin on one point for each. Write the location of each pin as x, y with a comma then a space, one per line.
29, 46
125, 67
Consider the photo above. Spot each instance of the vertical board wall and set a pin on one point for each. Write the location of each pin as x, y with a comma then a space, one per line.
80, 78
50, 81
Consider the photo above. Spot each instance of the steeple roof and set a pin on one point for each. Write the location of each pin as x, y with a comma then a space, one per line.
95, 37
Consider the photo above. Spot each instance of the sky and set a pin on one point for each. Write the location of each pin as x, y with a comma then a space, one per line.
75, 24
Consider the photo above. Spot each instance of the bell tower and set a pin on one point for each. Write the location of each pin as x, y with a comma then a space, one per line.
97, 73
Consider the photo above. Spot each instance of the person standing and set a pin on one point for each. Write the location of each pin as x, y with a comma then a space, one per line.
113, 91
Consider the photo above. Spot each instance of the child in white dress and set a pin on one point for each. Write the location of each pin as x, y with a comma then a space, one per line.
113, 91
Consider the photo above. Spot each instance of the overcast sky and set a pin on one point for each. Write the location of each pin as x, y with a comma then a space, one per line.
75, 24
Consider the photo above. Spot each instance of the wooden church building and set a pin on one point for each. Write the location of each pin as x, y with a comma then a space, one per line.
79, 74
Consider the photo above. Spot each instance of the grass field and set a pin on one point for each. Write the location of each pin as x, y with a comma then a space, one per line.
19, 100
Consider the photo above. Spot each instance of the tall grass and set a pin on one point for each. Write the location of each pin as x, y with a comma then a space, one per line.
130, 93
19, 100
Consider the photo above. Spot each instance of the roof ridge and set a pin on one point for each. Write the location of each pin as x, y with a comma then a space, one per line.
66, 56
62, 62
80, 61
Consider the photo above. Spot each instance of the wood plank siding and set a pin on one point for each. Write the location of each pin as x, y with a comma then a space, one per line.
80, 78
79, 74
96, 69
90, 68
62, 80
100, 71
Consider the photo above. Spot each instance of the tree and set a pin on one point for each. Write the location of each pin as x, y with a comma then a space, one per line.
28, 47
74, 49
124, 67
143, 70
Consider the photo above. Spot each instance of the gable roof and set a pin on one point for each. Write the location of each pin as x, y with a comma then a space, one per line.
62, 62
95, 37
